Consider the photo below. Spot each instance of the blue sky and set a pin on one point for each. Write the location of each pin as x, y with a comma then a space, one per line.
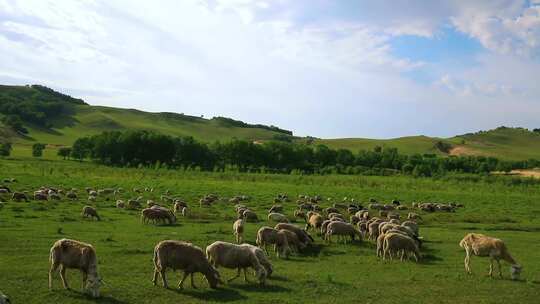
318, 67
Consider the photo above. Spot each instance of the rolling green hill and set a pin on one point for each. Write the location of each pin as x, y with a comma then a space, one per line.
79, 119
502, 142
62, 125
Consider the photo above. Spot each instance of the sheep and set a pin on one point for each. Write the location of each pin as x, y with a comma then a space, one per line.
185, 212
402, 207
373, 230
66, 253
238, 230
40, 196
396, 242
413, 216
71, 195
150, 203
183, 256
289, 239
354, 219
250, 216
277, 217
92, 193
393, 216
341, 229
266, 235
303, 236
91, 212
331, 210
315, 221
157, 215
133, 204
276, 208
483, 246
120, 204
4, 299
92, 199
19, 196
55, 196
263, 259
411, 225
179, 205
237, 257
300, 214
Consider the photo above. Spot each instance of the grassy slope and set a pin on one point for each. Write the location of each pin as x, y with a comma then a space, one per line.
504, 143
326, 273
91, 120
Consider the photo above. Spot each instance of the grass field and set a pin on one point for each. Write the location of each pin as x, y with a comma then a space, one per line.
343, 273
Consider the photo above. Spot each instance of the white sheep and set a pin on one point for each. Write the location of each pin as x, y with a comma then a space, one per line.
237, 257
4, 299
277, 217
485, 246
341, 229
397, 242
238, 230
66, 253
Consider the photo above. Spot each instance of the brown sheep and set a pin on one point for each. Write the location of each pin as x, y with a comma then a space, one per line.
183, 256
91, 212
485, 246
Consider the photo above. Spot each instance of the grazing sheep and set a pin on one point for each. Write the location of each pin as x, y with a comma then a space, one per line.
413, 216
5, 188
40, 196
277, 217
289, 240
19, 196
250, 216
66, 253
485, 246
266, 236
238, 230
120, 204
133, 204
185, 211
91, 212
55, 196
91, 199
4, 299
331, 210
393, 216
300, 214
373, 230
276, 208
237, 257
341, 229
71, 195
263, 259
315, 221
402, 207
92, 193
179, 205
150, 203
303, 236
383, 213
397, 242
354, 219
411, 225
183, 256
157, 215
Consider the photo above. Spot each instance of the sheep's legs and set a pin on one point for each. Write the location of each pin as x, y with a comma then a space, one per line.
163, 278
192, 282
84, 278
245, 275
63, 276
500, 271
181, 284
154, 280
235, 277
491, 267
468, 263
53, 268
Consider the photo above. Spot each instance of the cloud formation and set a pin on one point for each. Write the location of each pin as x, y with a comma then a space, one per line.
321, 68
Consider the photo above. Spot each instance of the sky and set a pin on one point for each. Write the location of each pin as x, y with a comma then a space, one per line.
324, 68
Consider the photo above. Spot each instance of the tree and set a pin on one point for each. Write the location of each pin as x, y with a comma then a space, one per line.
5, 149
15, 123
37, 149
64, 152
81, 148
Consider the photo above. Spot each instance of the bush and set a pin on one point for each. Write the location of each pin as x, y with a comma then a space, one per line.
5, 149
37, 149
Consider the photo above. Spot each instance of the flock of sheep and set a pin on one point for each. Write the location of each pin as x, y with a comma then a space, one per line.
343, 220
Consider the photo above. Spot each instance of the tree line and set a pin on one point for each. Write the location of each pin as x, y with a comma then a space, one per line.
146, 148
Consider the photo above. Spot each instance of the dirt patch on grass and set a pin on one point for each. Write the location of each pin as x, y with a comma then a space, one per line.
522, 173
462, 150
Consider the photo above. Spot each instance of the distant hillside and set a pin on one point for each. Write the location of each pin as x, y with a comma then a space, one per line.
36, 113
502, 142
77, 119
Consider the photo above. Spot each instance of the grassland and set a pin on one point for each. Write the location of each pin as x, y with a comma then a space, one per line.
342, 273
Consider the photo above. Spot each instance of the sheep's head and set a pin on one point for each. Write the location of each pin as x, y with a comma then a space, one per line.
92, 286
4, 299
260, 273
515, 271
213, 277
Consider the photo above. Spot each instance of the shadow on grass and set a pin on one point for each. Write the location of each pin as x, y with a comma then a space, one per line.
254, 287
218, 295
278, 278
313, 250
103, 299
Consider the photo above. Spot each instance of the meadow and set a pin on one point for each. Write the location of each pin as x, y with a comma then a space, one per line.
327, 273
